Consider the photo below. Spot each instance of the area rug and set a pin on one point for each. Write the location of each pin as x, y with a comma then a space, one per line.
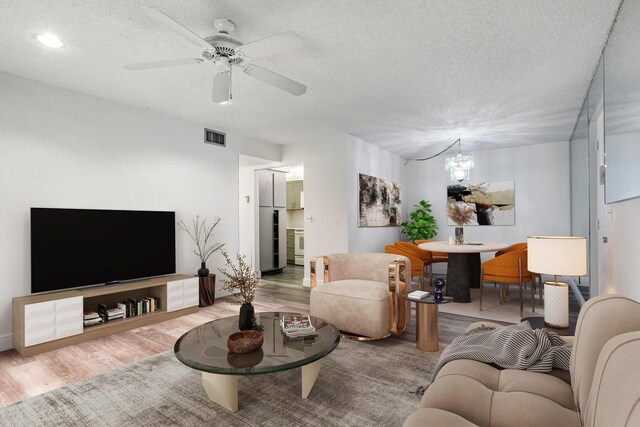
360, 384
492, 309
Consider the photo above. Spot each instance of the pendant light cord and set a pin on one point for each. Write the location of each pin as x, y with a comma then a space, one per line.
457, 141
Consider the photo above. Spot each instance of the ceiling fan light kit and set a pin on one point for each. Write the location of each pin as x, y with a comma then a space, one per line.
222, 81
225, 51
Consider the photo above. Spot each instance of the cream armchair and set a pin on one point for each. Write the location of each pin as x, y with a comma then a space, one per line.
361, 292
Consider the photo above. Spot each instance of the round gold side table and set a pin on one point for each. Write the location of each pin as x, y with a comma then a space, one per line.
427, 322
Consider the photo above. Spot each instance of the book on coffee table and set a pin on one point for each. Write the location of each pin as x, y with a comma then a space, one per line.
297, 326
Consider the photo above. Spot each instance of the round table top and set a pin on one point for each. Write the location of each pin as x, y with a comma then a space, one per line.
467, 247
205, 347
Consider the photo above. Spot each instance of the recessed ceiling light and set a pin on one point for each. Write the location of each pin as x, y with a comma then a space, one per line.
49, 40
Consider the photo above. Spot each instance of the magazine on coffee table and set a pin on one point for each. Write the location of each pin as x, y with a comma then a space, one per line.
297, 326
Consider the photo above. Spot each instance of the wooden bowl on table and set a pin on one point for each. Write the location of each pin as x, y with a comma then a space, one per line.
245, 341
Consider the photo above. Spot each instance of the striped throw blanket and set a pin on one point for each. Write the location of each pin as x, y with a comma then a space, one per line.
511, 347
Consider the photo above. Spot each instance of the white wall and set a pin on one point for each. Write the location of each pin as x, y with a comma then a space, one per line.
541, 174
247, 208
622, 268
63, 149
295, 218
369, 159
325, 194
623, 173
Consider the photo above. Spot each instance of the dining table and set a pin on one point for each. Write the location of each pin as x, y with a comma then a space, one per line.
463, 265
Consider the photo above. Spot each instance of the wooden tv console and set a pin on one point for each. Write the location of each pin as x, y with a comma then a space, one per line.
53, 320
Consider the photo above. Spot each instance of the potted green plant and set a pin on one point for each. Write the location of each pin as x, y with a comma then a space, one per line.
422, 225
241, 280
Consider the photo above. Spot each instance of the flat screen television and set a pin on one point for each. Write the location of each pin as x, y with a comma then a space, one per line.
79, 247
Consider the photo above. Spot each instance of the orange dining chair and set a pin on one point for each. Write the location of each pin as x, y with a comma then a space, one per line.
515, 247
417, 264
537, 278
507, 269
425, 256
436, 256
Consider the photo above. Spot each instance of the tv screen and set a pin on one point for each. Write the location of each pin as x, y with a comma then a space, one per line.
78, 247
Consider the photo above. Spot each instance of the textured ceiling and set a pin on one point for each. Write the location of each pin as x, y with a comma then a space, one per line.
410, 76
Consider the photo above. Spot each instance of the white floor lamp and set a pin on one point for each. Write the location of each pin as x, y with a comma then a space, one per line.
557, 256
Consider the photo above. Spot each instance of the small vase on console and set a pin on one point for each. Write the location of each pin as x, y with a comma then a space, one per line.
203, 271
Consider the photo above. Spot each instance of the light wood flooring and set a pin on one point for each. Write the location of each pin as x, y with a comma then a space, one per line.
23, 377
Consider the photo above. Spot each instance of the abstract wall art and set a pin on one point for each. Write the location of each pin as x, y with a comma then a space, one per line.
487, 203
379, 202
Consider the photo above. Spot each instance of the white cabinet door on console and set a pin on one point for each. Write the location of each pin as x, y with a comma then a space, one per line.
175, 295
39, 322
69, 317
191, 292
50, 320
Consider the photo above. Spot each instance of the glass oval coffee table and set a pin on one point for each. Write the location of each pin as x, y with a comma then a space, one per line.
205, 348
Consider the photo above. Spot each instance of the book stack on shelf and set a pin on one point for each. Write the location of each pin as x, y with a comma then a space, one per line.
132, 307
92, 318
108, 314
129, 308
297, 327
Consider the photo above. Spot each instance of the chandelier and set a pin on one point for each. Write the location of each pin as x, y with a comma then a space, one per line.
458, 164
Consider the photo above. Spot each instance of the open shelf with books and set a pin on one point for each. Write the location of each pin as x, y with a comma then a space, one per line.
45, 322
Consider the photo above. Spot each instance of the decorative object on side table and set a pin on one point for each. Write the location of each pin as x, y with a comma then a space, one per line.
242, 282
245, 341
200, 233
439, 290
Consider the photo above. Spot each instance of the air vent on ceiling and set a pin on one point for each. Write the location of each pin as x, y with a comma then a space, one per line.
215, 138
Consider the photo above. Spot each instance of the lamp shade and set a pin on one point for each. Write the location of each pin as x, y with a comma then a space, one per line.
557, 255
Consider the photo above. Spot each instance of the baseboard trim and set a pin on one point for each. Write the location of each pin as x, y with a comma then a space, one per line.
6, 342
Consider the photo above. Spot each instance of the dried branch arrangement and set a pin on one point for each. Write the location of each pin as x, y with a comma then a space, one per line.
241, 280
460, 214
200, 234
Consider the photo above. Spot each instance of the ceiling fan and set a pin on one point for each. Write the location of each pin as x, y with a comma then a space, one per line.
225, 51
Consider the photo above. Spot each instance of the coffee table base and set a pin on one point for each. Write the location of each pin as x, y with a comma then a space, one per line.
309, 374
223, 389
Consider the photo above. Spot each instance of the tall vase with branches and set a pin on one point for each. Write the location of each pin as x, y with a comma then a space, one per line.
201, 233
241, 280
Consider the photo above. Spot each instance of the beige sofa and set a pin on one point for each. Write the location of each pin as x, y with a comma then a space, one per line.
361, 292
604, 390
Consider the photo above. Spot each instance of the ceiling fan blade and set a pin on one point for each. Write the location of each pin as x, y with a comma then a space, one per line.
168, 22
161, 64
275, 79
271, 45
221, 93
